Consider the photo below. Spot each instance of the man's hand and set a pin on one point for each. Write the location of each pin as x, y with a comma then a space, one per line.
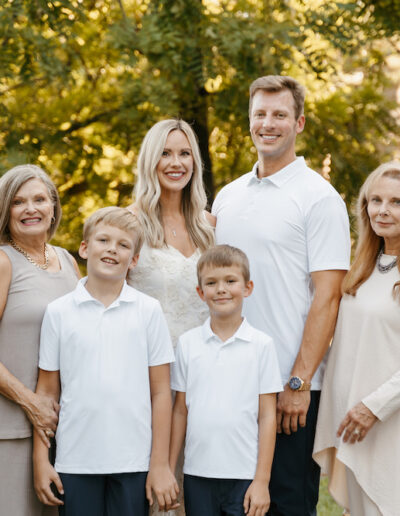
44, 476
161, 480
291, 410
257, 500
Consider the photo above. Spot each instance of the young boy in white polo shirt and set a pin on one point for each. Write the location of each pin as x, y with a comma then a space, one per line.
226, 376
109, 347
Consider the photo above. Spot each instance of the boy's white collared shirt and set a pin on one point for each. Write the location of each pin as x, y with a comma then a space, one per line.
103, 355
222, 382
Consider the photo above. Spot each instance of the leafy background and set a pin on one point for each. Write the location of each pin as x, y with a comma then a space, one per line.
81, 81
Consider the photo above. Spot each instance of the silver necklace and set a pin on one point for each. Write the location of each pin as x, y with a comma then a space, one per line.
385, 268
43, 266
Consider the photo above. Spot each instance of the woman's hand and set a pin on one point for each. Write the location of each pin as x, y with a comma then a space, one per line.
42, 412
356, 423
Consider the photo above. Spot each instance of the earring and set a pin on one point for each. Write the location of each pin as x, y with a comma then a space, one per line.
53, 219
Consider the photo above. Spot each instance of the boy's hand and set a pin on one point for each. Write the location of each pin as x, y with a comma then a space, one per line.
257, 500
161, 480
44, 475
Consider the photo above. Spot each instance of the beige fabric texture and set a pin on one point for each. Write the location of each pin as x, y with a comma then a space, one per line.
31, 290
364, 365
17, 496
360, 503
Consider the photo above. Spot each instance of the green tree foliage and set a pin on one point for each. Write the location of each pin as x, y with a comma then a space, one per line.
81, 81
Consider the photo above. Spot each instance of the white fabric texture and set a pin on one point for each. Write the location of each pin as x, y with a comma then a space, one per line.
222, 382
364, 365
103, 355
360, 504
170, 277
289, 224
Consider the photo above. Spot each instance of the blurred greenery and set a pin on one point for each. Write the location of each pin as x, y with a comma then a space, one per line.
326, 505
81, 81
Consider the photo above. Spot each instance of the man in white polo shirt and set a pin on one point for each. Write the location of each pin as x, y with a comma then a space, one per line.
293, 226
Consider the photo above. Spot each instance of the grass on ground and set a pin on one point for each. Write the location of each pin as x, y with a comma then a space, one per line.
326, 505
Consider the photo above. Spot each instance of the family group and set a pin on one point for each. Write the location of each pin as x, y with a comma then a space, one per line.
209, 364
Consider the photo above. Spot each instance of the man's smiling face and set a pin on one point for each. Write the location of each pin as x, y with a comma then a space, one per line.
274, 127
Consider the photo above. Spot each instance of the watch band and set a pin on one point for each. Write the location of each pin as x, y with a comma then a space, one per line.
298, 384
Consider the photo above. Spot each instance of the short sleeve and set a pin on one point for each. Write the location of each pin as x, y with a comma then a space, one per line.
328, 235
269, 372
215, 205
178, 370
49, 354
160, 350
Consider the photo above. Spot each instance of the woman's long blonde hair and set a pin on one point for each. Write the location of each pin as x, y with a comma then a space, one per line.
147, 190
369, 243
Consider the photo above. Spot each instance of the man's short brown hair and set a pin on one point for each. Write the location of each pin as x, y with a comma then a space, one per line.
276, 83
224, 256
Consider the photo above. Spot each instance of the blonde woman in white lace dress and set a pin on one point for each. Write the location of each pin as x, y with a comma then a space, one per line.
170, 204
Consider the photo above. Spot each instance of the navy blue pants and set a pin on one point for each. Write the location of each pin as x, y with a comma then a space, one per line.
294, 484
118, 494
214, 496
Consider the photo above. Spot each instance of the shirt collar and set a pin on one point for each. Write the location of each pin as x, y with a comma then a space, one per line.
82, 295
282, 176
244, 332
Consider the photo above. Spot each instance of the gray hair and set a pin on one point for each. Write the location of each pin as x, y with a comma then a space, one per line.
11, 182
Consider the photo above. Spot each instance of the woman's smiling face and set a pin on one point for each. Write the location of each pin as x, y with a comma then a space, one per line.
31, 211
175, 168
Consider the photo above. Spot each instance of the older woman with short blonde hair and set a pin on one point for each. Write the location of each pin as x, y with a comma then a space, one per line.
32, 273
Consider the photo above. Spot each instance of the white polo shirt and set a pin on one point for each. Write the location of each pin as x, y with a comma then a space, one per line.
222, 382
103, 355
289, 224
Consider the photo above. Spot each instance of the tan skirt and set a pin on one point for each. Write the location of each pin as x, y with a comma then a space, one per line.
17, 495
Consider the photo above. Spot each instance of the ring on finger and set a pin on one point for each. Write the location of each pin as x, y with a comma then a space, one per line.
49, 433
356, 432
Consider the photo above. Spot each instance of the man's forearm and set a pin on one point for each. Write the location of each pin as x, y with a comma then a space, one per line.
319, 327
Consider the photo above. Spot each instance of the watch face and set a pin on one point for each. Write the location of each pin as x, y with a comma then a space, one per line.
295, 383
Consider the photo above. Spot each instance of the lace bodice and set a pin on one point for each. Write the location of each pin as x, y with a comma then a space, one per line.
170, 277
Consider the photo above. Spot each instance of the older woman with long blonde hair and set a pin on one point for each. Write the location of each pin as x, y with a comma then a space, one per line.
170, 203
357, 441
32, 273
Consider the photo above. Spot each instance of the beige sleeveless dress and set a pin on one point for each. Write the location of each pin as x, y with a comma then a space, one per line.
31, 290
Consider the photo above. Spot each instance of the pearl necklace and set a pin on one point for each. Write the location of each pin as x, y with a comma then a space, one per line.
43, 266
385, 268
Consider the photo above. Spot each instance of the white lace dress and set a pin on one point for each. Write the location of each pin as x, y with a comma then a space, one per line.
170, 277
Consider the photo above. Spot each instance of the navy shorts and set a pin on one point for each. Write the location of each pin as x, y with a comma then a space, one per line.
117, 494
214, 496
